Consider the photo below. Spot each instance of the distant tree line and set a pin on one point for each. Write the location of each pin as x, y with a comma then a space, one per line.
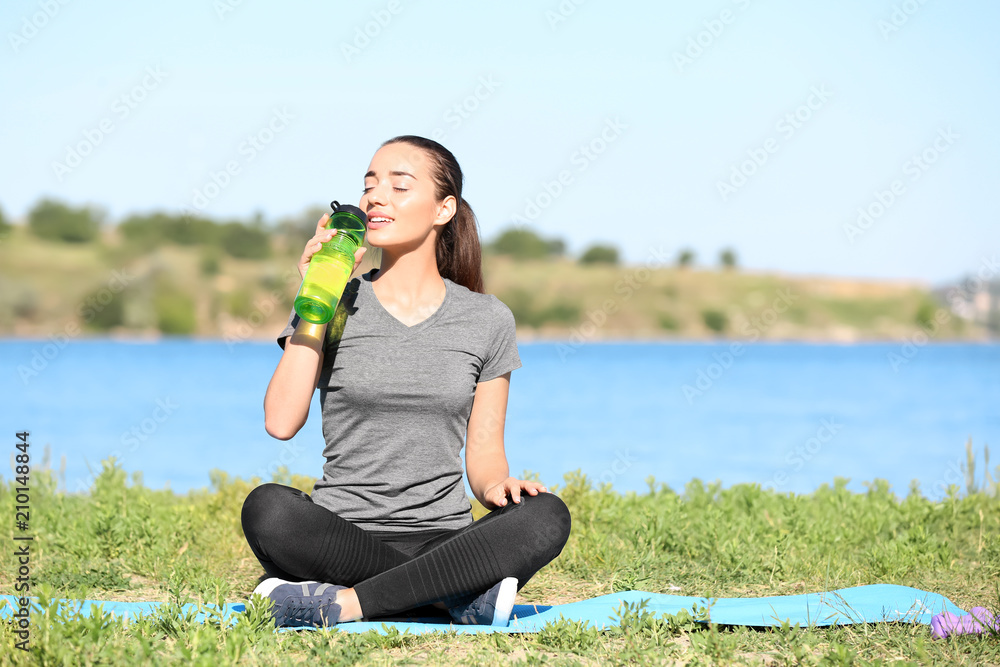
521, 243
4, 225
525, 244
56, 221
243, 241
727, 258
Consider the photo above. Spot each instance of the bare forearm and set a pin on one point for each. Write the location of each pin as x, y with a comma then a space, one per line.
286, 403
485, 471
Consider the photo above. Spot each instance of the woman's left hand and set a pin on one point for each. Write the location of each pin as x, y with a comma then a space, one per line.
496, 495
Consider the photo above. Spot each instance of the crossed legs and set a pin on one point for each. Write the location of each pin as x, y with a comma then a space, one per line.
295, 539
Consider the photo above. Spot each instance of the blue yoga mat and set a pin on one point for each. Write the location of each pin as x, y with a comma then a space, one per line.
862, 604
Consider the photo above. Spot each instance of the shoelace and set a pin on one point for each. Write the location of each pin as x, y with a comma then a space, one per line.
306, 611
474, 609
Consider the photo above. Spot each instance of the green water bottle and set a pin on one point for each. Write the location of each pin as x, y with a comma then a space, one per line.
330, 268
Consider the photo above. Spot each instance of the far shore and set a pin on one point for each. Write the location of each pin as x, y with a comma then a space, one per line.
528, 337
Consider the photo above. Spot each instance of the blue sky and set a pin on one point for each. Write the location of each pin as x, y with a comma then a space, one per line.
821, 109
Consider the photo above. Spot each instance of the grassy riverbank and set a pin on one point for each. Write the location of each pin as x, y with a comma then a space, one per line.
127, 542
138, 289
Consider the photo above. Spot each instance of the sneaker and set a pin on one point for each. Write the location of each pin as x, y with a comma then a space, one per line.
301, 603
491, 608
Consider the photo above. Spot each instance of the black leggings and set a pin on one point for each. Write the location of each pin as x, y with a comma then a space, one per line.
298, 540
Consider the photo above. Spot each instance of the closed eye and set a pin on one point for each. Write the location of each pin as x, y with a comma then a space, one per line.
365, 191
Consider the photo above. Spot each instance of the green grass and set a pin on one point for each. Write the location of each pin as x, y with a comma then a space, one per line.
123, 541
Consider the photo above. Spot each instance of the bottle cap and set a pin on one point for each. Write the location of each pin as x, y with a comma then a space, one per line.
347, 208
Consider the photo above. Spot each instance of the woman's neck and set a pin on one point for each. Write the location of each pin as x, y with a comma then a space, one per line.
411, 278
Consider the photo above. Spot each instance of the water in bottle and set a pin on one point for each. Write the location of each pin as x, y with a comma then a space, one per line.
330, 268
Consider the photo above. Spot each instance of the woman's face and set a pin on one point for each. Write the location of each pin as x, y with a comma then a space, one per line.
399, 198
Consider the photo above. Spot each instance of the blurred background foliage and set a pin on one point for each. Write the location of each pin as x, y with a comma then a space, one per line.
159, 273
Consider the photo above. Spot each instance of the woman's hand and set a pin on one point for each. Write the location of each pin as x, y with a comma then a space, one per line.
314, 245
496, 495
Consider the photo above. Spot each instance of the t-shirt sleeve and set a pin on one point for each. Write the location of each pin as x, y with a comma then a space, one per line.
293, 320
502, 356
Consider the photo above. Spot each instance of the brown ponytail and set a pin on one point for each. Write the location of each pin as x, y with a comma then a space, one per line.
458, 252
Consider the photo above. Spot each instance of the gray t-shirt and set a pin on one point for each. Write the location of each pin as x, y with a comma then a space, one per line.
396, 403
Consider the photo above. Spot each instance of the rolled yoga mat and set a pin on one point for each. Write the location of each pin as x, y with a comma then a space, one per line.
862, 604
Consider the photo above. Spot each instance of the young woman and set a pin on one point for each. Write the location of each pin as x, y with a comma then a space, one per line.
417, 359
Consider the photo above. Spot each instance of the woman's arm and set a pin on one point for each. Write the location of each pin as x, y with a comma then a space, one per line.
485, 460
286, 403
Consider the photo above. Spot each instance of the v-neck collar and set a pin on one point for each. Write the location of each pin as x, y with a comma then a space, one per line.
397, 325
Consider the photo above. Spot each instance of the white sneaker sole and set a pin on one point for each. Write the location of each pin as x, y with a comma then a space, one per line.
505, 602
265, 587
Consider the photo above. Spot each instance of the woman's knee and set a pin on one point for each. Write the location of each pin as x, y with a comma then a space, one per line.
267, 505
551, 517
